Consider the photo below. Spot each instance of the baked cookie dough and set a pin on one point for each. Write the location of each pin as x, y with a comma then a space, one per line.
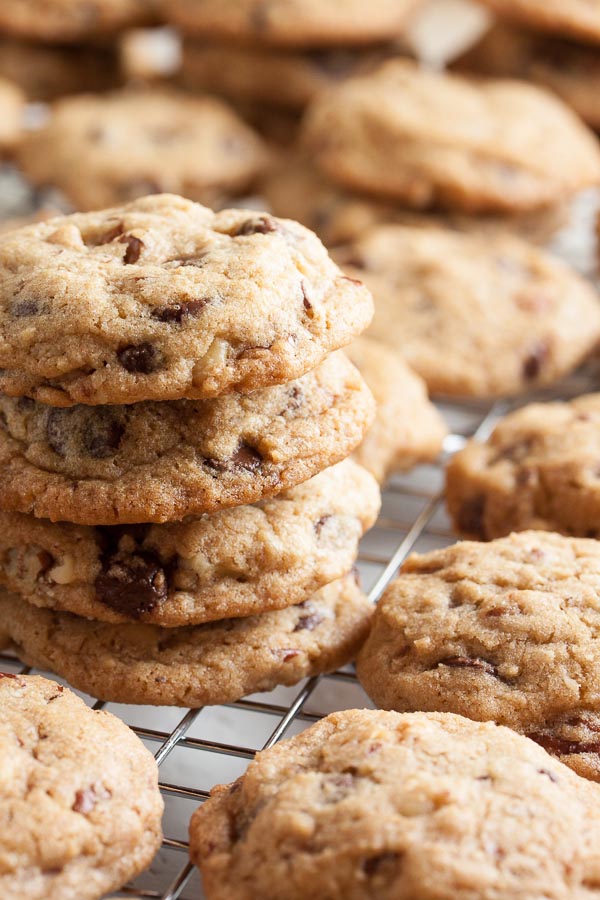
79, 798
161, 462
236, 562
368, 804
163, 299
507, 631
73, 20
12, 104
407, 429
202, 664
475, 315
578, 18
429, 139
538, 469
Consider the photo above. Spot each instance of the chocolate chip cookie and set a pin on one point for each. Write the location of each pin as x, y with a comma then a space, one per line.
236, 562
12, 103
163, 299
407, 429
568, 68
73, 20
161, 462
432, 139
507, 631
578, 18
475, 315
79, 795
291, 23
101, 150
538, 469
368, 804
196, 665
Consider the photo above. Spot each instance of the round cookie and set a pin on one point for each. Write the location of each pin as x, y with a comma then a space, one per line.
79, 796
291, 23
368, 804
64, 21
163, 299
101, 150
159, 462
578, 18
296, 190
432, 139
12, 105
280, 78
196, 665
475, 315
507, 632
570, 69
236, 562
407, 429
538, 469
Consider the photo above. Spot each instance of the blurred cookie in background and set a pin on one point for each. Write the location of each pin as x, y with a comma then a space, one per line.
575, 18
65, 21
12, 104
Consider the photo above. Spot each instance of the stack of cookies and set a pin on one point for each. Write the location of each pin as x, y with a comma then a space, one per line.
179, 517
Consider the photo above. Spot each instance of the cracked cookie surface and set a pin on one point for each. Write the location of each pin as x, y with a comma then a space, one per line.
164, 299
79, 795
218, 662
369, 804
507, 631
538, 469
235, 562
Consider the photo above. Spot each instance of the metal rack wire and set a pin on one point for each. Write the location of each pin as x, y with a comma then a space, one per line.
196, 749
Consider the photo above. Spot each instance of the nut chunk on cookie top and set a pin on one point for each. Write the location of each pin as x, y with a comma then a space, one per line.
164, 299
369, 804
79, 798
432, 139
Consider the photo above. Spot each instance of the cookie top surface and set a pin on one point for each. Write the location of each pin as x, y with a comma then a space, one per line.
79, 791
375, 804
159, 462
64, 21
475, 315
538, 469
299, 23
577, 18
408, 428
433, 139
235, 562
202, 664
102, 150
507, 631
163, 299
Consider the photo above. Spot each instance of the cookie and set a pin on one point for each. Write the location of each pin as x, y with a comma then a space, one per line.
538, 469
65, 21
368, 804
46, 71
12, 105
163, 299
281, 78
296, 190
568, 68
507, 631
291, 23
579, 19
475, 315
428, 139
407, 429
236, 562
161, 462
101, 150
79, 798
197, 665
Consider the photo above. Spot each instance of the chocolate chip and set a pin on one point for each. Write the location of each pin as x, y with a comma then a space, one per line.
320, 523
59, 691
103, 435
374, 865
7, 675
86, 799
548, 775
176, 313
133, 250
258, 225
245, 457
307, 304
132, 584
46, 562
29, 306
562, 747
143, 358
309, 623
296, 399
532, 364
468, 662
56, 433
470, 517
106, 237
